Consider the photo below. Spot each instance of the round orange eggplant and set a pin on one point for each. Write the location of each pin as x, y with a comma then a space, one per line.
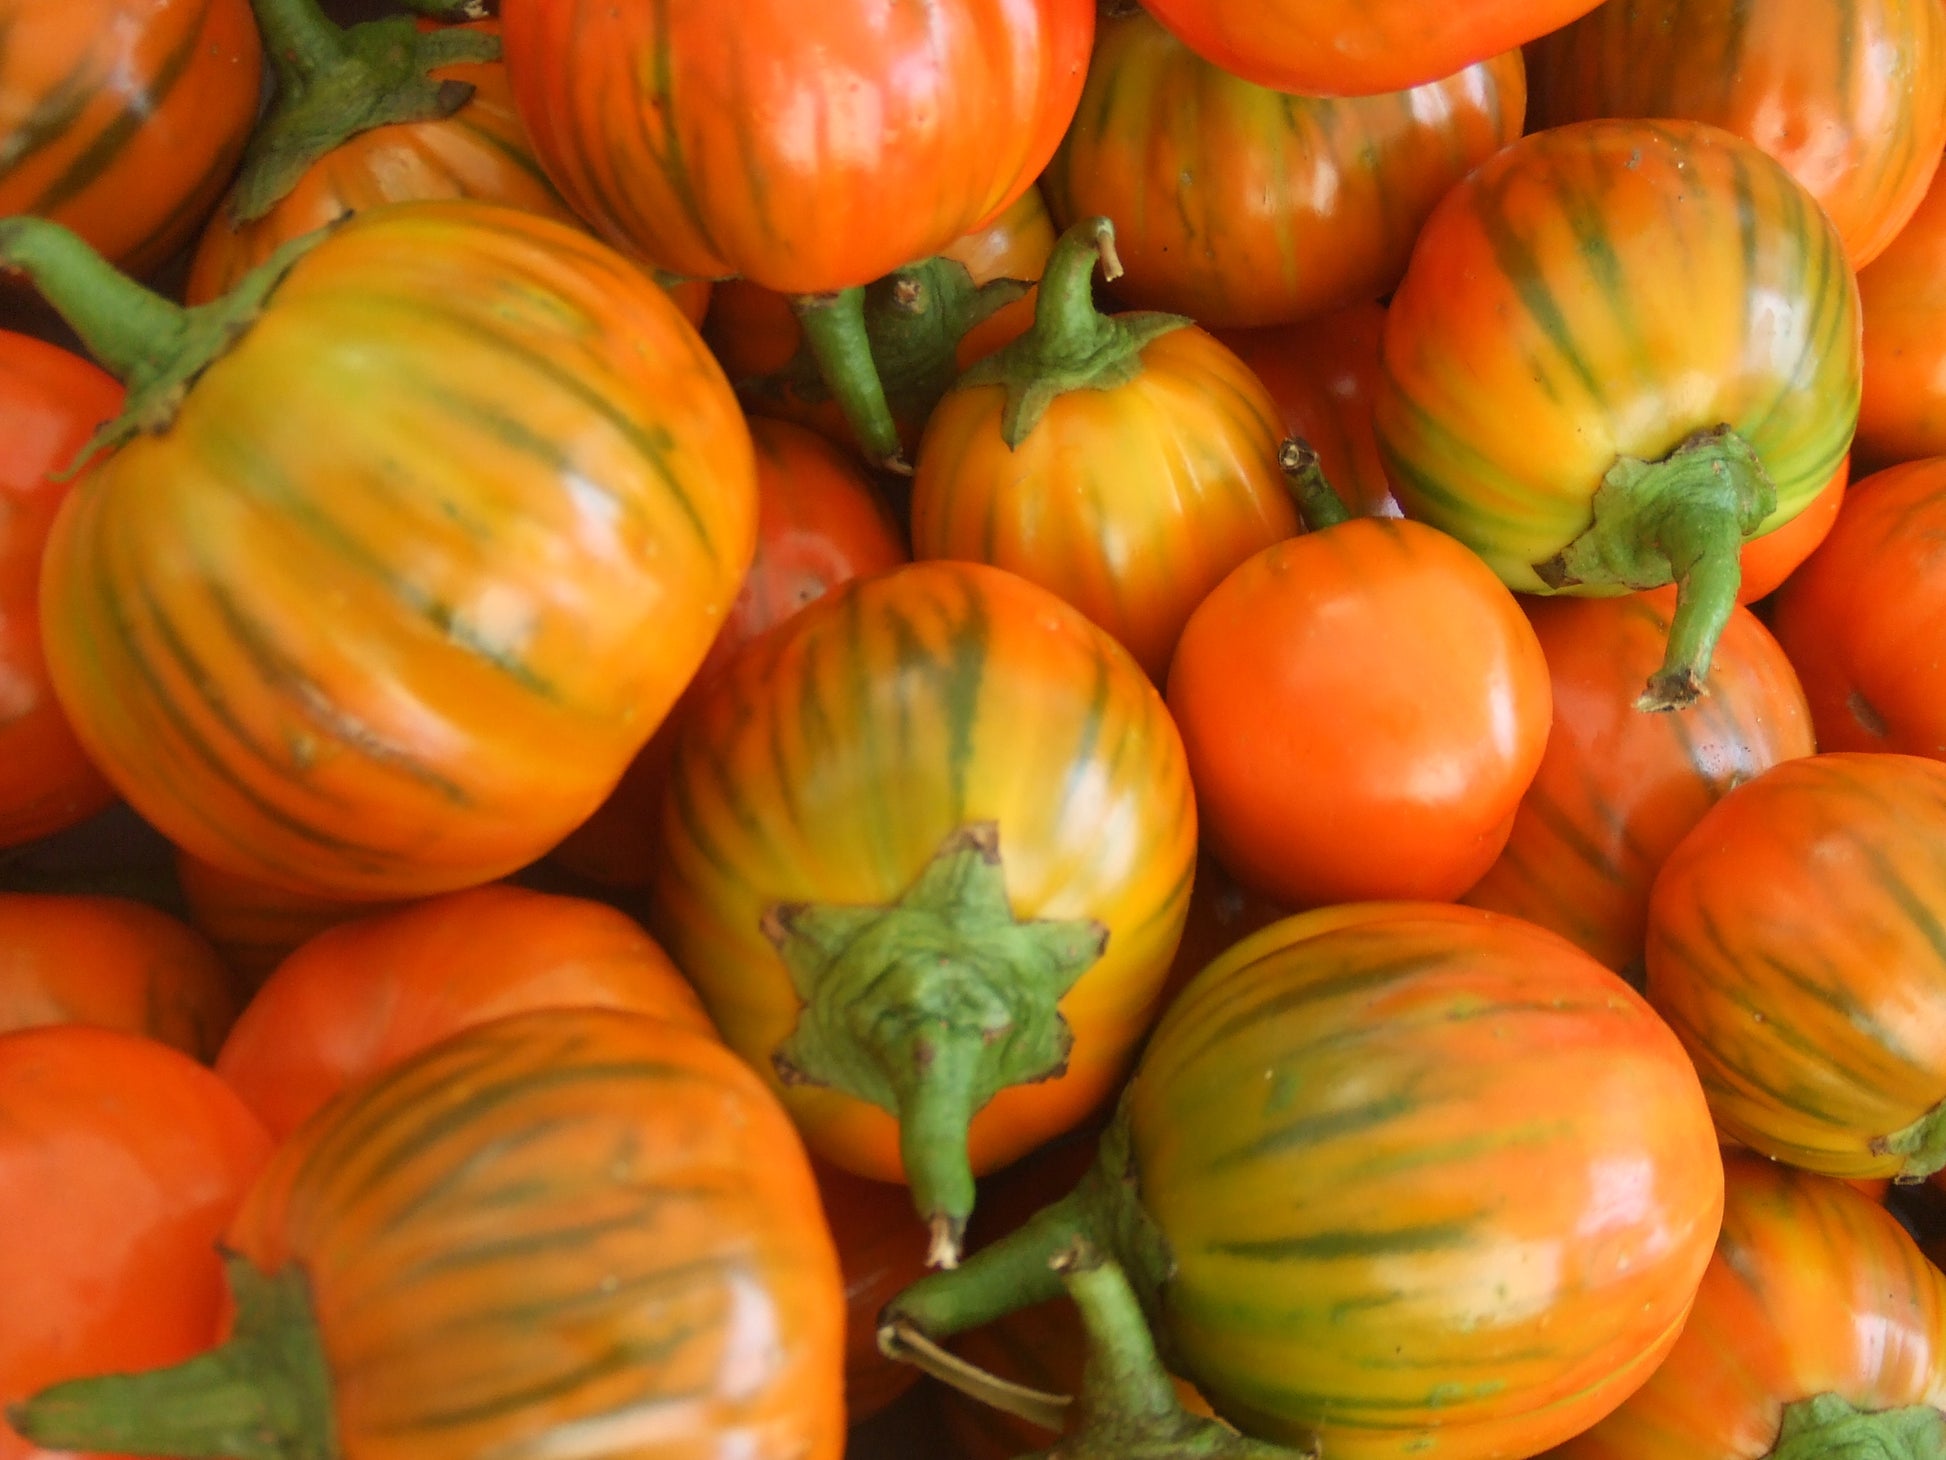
1795, 947
927, 852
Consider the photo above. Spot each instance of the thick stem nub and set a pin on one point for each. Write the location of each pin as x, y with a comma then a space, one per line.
1072, 345
931, 1006
334, 83
1681, 520
265, 1394
154, 347
1317, 503
1827, 1427
834, 329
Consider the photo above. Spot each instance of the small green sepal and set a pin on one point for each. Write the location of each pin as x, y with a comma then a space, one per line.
1922, 1145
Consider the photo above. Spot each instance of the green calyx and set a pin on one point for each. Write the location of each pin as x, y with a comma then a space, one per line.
835, 334
929, 1007
1827, 1427
264, 1394
153, 346
1922, 1145
333, 83
914, 320
1072, 345
1682, 520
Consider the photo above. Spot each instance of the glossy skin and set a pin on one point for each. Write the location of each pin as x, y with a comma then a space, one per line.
882, 1249
525, 561
124, 119
252, 925
1240, 206
1323, 374
1357, 47
150, 1154
1850, 95
831, 759
1860, 619
114, 964
820, 523
1130, 503
1439, 709
1903, 415
50, 404
1793, 946
1769, 560
1618, 789
361, 997
1521, 360
754, 332
478, 152
1813, 1290
656, 1208
951, 109
1331, 1137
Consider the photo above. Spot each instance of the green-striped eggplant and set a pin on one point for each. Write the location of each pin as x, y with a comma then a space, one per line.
1797, 945
576, 1232
123, 119
927, 853
1850, 95
402, 549
1621, 350
1241, 206
1392, 1180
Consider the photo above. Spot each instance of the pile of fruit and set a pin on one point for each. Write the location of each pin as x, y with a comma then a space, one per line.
1201, 731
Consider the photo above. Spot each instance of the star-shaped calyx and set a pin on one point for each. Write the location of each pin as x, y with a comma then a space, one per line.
930, 1006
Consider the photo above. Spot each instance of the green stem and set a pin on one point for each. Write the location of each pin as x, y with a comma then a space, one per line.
929, 1007
1072, 345
334, 83
915, 320
264, 1394
1317, 503
130, 330
1827, 1427
834, 328
906, 1344
156, 348
1128, 1409
1003, 1278
1682, 520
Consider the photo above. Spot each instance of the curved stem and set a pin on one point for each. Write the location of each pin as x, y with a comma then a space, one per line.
264, 1394
834, 328
1071, 345
1317, 503
126, 327
1013, 1273
156, 348
1128, 1409
334, 83
1681, 520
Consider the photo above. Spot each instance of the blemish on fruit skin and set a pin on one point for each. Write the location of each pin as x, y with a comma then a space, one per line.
1867, 715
